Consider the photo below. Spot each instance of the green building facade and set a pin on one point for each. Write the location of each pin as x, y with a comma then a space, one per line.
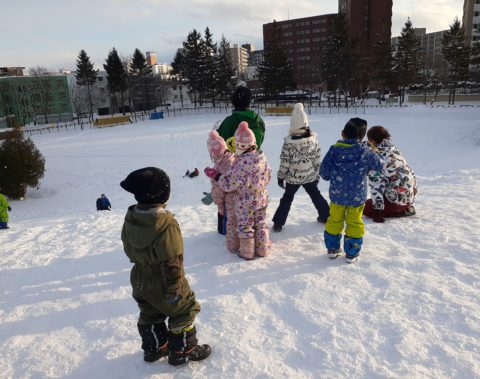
39, 99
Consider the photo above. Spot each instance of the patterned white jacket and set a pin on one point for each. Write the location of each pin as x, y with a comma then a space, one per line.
397, 182
300, 160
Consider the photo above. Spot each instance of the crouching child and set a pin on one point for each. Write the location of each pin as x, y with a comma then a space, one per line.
153, 241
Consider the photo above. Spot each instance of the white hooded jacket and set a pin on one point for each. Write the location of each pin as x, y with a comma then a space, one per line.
300, 160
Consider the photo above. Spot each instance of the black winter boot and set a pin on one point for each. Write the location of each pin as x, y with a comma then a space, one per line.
154, 341
183, 347
221, 224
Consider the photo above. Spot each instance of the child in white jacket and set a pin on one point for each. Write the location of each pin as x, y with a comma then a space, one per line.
299, 167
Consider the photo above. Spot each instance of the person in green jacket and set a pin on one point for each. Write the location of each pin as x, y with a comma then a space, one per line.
4, 209
241, 98
153, 241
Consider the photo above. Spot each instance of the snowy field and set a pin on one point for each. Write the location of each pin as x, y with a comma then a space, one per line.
408, 308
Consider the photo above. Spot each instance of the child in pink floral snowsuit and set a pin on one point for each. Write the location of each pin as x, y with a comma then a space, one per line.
223, 160
248, 178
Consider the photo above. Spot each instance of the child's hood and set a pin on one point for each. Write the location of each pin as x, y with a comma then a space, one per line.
143, 227
346, 155
386, 146
300, 141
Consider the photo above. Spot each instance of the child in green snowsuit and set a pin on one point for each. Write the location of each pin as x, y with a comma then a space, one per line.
4, 209
152, 240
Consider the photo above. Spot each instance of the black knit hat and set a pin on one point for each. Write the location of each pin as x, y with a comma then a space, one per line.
355, 128
150, 185
241, 97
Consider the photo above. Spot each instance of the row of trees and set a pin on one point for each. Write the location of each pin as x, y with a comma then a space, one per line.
345, 68
130, 81
205, 66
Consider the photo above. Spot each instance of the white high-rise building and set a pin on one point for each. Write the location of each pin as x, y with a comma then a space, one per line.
471, 20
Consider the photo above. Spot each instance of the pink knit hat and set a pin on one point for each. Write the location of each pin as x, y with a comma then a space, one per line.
216, 145
244, 137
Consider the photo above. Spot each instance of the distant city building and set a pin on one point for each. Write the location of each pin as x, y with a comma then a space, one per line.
370, 21
305, 41
256, 57
11, 71
471, 20
151, 58
430, 49
239, 59
249, 47
163, 70
40, 99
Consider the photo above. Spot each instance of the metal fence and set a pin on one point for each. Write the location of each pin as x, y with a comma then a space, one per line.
85, 124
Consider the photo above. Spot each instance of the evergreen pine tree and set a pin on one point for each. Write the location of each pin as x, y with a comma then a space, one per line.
275, 73
407, 59
225, 77
209, 67
194, 69
178, 64
116, 77
86, 76
382, 64
22, 165
141, 73
457, 54
340, 64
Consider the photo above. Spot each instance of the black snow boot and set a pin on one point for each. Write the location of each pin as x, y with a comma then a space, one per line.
183, 347
154, 341
221, 224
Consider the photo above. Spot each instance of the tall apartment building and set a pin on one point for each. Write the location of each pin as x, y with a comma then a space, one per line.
430, 49
471, 20
239, 59
151, 58
255, 58
370, 21
305, 41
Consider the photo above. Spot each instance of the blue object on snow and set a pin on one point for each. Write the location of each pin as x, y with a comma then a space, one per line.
156, 115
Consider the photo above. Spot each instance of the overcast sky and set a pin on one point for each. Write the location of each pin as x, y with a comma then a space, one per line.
50, 33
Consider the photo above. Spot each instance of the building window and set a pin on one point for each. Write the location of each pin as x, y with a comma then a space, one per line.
99, 78
285, 26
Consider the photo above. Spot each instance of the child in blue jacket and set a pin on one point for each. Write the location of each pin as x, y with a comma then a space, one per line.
346, 166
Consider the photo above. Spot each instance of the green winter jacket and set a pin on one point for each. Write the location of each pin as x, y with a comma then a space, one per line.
3, 209
153, 241
228, 127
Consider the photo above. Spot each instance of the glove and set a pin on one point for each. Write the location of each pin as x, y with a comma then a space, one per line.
378, 215
210, 172
281, 183
194, 173
9, 209
207, 199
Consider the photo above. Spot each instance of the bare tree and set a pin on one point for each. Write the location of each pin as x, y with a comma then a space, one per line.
80, 100
41, 89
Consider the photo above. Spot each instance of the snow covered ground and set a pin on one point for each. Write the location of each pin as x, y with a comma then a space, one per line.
409, 308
